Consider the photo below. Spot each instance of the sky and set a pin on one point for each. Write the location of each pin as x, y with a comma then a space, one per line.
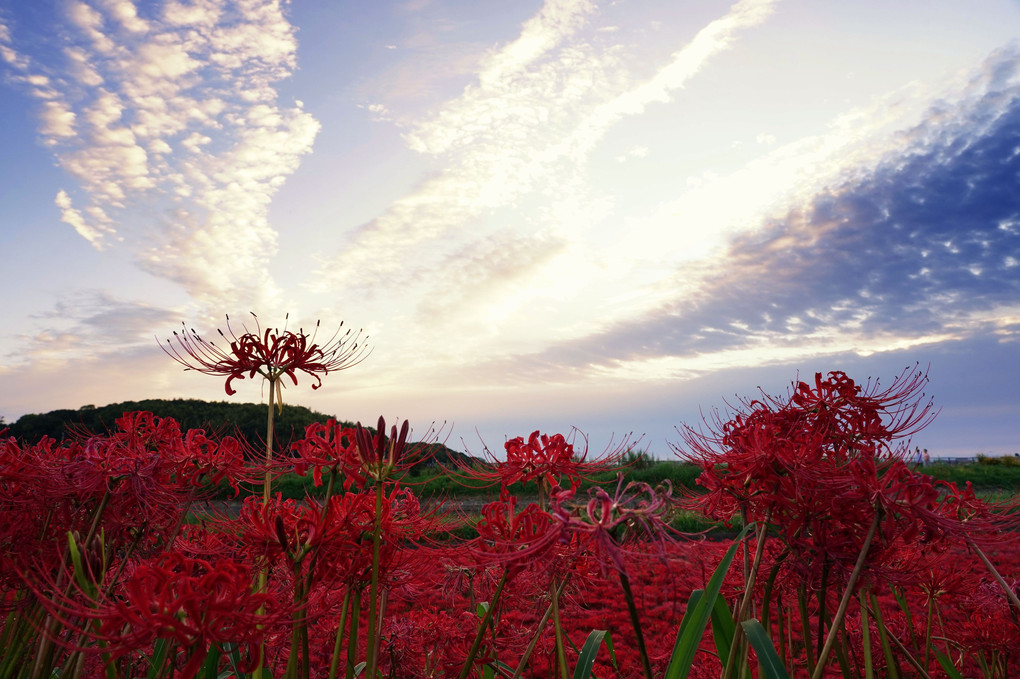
608, 217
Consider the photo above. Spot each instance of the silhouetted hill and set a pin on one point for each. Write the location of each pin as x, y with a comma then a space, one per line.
247, 420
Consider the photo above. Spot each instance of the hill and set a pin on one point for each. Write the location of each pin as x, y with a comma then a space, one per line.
245, 420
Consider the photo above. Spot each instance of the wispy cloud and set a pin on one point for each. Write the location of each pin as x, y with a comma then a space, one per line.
519, 135
167, 118
917, 242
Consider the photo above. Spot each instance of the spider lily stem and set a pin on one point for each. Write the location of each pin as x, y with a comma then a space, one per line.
538, 631
477, 643
837, 621
995, 574
635, 621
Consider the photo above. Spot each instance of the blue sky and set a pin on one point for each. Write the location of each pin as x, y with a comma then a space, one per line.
612, 215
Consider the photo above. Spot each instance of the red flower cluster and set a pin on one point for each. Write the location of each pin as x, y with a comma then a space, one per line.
549, 461
194, 603
271, 353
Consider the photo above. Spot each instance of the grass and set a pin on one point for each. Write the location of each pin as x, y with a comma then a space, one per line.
982, 475
993, 481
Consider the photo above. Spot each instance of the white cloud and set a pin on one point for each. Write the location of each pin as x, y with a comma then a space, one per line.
176, 112
522, 133
125, 12
57, 120
74, 218
557, 20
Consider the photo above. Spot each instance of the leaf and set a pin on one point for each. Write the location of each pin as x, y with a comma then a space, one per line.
695, 620
947, 666
612, 652
158, 658
234, 657
771, 665
723, 628
79, 568
212, 662
590, 650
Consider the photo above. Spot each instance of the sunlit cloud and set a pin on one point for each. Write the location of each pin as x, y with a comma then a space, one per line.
519, 135
168, 121
913, 248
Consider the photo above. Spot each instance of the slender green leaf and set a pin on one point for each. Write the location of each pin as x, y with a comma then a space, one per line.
158, 658
79, 568
590, 650
212, 662
723, 628
947, 666
234, 657
692, 604
695, 620
772, 666
612, 652
502, 666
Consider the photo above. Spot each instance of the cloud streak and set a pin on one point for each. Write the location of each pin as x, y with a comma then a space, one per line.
520, 135
920, 246
168, 121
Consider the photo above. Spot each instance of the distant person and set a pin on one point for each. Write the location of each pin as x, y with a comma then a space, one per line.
927, 458
917, 455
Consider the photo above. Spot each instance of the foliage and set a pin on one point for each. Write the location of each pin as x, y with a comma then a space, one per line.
843, 561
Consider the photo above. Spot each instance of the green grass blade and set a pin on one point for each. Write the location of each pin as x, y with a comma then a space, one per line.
212, 662
158, 658
772, 666
947, 666
723, 628
612, 652
588, 653
695, 620
234, 658
692, 604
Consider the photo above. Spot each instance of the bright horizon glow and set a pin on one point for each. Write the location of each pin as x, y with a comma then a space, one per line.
608, 215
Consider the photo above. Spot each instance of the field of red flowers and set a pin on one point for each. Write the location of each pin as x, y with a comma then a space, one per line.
843, 560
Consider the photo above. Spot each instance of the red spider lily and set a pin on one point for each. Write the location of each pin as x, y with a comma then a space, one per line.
636, 512
516, 538
194, 603
289, 528
428, 642
546, 460
271, 353
333, 447
379, 455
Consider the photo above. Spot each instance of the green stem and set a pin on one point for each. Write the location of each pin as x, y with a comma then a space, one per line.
892, 669
869, 671
476, 644
837, 621
781, 630
297, 620
561, 654
373, 592
995, 573
805, 625
334, 662
267, 489
352, 635
635, 622
538, 633
750, 575
263, 582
